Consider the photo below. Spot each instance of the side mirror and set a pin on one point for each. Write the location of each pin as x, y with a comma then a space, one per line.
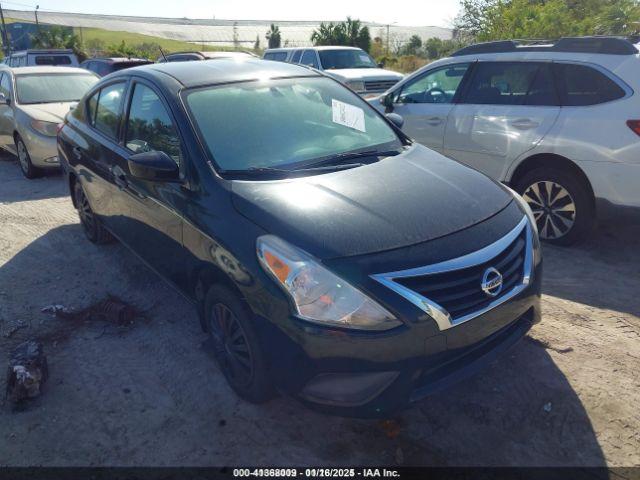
154, 166
4, 100
396, 119
387, 101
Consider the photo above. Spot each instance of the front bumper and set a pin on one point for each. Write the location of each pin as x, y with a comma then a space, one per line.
42, 150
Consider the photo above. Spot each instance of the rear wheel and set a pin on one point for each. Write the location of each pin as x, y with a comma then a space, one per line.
93, 228
561, 204
28, 170
236, 346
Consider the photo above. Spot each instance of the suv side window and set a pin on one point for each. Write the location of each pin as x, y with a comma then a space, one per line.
310, 59
149, 126
5, 85
438, 86
296, 56
581, 85
501, 83
108, 111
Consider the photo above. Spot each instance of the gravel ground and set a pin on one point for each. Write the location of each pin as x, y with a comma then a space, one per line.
151, 395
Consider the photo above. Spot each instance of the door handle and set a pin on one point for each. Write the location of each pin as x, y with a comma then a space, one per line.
119, 178
77, 152
434, 121
524, 124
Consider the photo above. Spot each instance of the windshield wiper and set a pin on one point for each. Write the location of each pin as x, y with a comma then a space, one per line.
331, 160
259, 171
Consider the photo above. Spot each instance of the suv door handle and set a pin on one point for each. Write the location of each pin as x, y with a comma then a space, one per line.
77, 152
524, 124
434, 121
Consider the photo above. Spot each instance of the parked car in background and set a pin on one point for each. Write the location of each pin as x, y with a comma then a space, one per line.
42, 57
190, 56
558, 122
382, 270
350, 65
33, 103
105, 66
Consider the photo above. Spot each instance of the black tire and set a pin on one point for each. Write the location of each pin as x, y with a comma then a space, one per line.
561, 202
24, 159
91, 225
237, 348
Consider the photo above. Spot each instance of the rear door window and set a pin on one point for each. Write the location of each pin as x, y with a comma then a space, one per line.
296, 56
276, 56
108, 109
501, 83
310, 59
53, 60
581, 85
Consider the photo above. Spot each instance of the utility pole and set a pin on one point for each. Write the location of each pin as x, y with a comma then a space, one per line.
388, 25
37, 24
5, 37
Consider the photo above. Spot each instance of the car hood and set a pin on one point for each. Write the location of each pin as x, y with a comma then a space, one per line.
47, 112
364, 74
399, 201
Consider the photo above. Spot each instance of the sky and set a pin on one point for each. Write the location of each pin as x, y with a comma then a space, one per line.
405, 12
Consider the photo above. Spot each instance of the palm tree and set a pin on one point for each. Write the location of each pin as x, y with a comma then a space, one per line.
273, 36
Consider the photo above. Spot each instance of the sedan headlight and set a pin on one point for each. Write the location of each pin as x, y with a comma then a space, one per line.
356, 85
526, 208
318, 295
48, 129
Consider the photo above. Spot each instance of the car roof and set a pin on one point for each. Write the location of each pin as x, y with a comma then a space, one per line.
336, 47
45, 69
47, 51
116, 59
223, 70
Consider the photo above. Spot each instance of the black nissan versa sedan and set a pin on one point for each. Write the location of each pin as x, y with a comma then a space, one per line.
329, 256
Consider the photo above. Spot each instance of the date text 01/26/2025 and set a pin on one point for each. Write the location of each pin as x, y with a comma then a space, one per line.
316, 472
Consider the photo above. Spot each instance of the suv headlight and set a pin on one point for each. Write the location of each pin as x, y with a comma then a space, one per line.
48, 129
356, 85
318, 295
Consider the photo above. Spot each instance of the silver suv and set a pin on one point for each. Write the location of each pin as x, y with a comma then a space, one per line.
559, 122
350, 65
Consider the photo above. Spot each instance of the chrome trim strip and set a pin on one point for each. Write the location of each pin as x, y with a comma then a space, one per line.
437, 312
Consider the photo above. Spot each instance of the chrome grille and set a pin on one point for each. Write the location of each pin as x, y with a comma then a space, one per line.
459, 291
379, 85
451, 293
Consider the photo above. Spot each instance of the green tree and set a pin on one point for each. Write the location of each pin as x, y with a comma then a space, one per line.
273, 36
350, 33
59, 37
413, 46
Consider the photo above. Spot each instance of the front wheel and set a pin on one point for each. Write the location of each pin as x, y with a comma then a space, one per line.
236, 345
28, 170
561, 204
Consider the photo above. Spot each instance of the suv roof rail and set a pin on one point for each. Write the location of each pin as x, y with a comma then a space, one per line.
594, 44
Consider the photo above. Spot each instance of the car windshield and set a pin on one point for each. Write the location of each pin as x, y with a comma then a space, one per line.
285, 123
53, 87
337, 59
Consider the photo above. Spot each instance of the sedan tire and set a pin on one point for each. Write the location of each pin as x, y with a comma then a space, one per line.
561, 204
236, 345
91, 224
24, 159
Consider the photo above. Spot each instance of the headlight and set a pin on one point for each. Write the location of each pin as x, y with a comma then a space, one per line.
49, 129
526, 208
318, 295
356, 85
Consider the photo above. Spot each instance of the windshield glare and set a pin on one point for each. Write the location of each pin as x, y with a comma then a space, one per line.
287, 122
52, 88
337, 59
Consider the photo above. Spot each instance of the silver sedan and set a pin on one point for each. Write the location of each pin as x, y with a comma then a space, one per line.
33, 103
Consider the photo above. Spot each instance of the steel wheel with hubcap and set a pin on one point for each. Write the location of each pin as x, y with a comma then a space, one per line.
561, 202
236, 344
28, 170
91, 225
231, 345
